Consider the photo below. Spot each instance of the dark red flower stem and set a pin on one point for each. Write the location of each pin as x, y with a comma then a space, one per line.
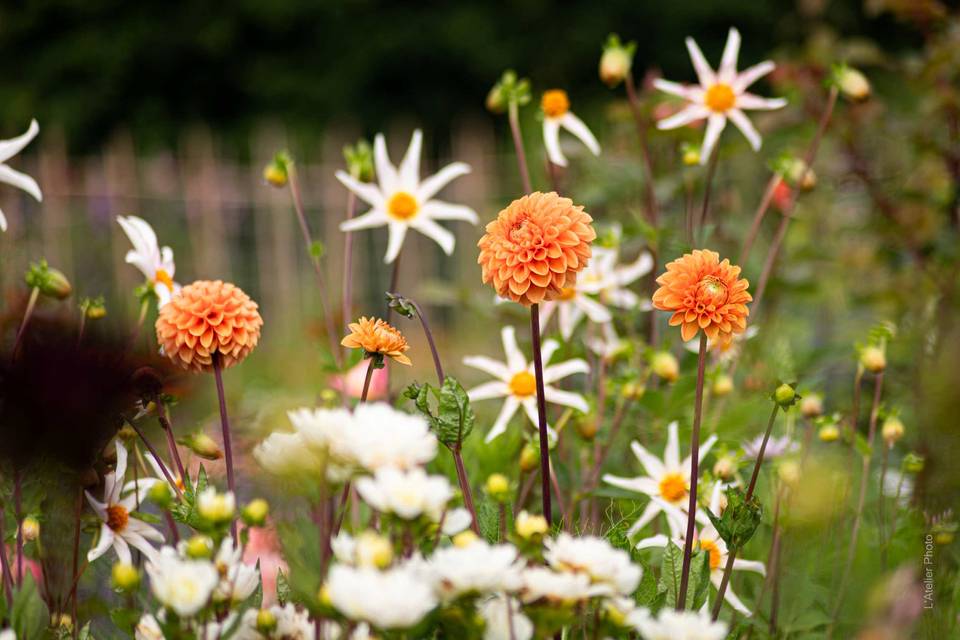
541, 414
225, 426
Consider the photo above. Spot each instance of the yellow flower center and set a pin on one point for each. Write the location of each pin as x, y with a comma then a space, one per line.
720, 97
555, 103
402, 206
710, 546
164, 278
523, 384
117, 517
673, 487
567, 293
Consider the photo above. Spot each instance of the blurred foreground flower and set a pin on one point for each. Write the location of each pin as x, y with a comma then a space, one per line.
720, 96
8, 149
351, 382
402, 201
401, 599
557, 115
681, 625
377, 338
154, 263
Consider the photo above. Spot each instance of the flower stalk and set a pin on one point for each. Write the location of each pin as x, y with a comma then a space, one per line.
27, 314
225, 427
541, 414
347, 292
514, 117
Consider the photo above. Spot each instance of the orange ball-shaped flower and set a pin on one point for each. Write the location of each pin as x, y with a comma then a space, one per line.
208, 317
376, 336
704, 293
535, 247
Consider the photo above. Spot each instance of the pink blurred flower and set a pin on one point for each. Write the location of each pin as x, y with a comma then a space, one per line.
29, 566
351, 382
264, 546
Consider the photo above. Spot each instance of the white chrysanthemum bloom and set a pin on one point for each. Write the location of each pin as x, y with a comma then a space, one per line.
503, 619
708, 540
238, 580
724, 353
601, 283
154, 263
681, 625
287, 455
517, 382
119, 530
556, 115
8, 149
559, 587
367, 549
478, 568
291, 624
182, 585
720, 96
402, 201
667, 479
406, 494
382, 436
147, 629
596, 558
324, 432
397, 598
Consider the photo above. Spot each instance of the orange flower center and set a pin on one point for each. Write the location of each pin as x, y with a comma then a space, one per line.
164, 278
710, 546
720, 97
402, 206
568, 293
555, 103
711, 292
673, 487
523, 384
117, 517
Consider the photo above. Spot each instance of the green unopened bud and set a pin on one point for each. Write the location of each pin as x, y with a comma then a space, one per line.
125, 577
529, 457
616, 61
359, 159
785, 395
202, 445
266, 621
255, 513
633, 390
50, 282
665, 366
892, 430
852, 83
690, 155
93, 308
509, 89
587, 427
30, 528
161, 495
127, 433
496, 101
873, 359
798, 174
329, 398
722, 385
829, 433
498, 487
912, 463
277, 171
199, 547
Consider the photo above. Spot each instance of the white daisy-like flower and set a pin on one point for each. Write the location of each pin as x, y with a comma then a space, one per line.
8, 149
681, 625
708, 540
561, 587
478, 568
503, 619
720, 96
147, 629
288, 455
406, 494
596, 558
776, 447
182, 585
238, 580
667, 480
517, 382
291, 624
119, 530
154, 263
396, 598
601, 284
367, 549
381, 436
556, 115
402, 201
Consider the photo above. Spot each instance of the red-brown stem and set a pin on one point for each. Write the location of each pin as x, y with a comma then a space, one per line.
758, 218
164, 417
294, 183
348, 264
808, 159
523, 491
227, 446
156, 456
541, 414
465, 488
514, 117
394, 282
18, 514
76, 560
366, 380
5, 564
27, 314
694, 474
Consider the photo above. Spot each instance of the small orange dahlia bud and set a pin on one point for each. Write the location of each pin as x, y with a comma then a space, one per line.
535, 247
208, 317
375, 336
704, 293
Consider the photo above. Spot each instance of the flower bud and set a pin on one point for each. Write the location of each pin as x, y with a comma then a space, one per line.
329, 398
373, 550
691, 155
873, 359
616, 61
912, 463
464, 539
725, 467
892, 430
215, 507
789, 472
30, 528
785, 395
633, 390
944, 537
496, 102
527, 526
323, 596
852, 84
359, 159
722, 385
93, 308
829, 433
812, 405
277, 172
125, 577
255, 513
587, 427
202, 445
64, 621
665, 366
199, 547
498, 487
266, 621
800, 175
161, 495
529, 457
50, 282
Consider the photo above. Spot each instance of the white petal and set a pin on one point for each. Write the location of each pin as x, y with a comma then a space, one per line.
652, 511
756, 103
123, 549
432, 185
563, 369
386, 174
728, 63
139, 542
509, 408
569, 317
398, 232
730, 597
439, 210
435, 232
530, 408
410, 165
120, 470
685, 116
742, 122
104, 543
704, 73
656, 541
653, 466
594, 310
3, 222
715, 125
487, 390
13, 146
749, 565
566, 398
20, 181
671, 455
576, 126
515, 360
98, 507
489, 365
551, 140
751, 74
546, 311
625, 299
638, 485
369, 220
547, 349
673, 88
363, 190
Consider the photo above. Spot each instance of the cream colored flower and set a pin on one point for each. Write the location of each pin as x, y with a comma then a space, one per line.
558, 587
402, 201
720, 96
406, 494
8, 149
596, 558
503, 619
397, 598
238, 580
477, 569
154, 263
184, 586
681, 625
556, 115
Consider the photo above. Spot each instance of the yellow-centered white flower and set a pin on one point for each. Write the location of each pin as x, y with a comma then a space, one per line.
720, 95
557, 115
8, 149
401, 200
476, 569
558, 587
155, 263
184, 586
516, 381
397, 598
681, 625
596, 558
238, 580
290, 624
406, 494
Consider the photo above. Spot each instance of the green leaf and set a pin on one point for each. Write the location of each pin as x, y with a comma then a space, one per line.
739, 520
454, 419
29, 615
861, 445
125, 619
647, 591
671, 569
699, 579
316, 249
283, 588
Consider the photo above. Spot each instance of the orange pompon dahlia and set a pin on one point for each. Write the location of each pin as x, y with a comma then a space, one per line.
377, 337
535, 247
208, 317
704, 293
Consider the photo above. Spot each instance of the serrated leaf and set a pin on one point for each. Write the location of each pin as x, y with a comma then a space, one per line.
671, 570
454, 419
647, 591
283, 588
739, 521
699, 584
